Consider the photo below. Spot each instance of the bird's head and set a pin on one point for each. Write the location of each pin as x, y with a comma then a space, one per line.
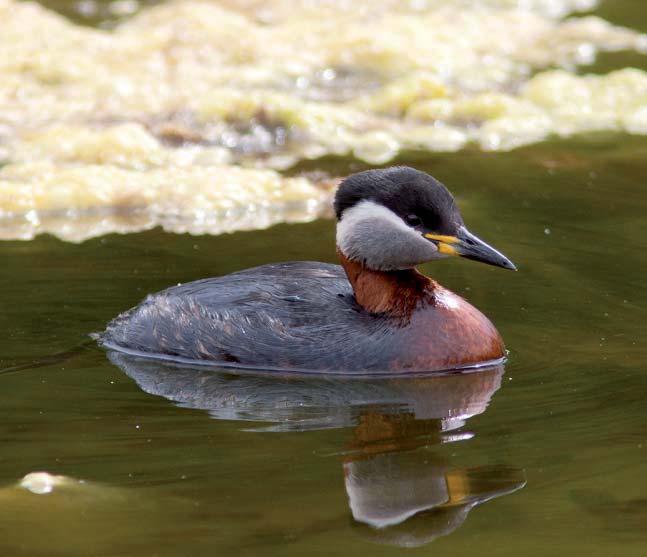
399, 217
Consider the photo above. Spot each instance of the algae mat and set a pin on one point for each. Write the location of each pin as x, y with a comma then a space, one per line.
190, 115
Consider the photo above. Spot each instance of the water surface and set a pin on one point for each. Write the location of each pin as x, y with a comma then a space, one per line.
192, 463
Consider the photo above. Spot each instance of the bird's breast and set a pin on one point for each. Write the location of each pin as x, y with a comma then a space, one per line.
445, 333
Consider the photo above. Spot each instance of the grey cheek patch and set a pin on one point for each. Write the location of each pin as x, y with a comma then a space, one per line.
377, 237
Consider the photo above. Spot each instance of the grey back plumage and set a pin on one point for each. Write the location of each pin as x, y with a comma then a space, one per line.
299, 315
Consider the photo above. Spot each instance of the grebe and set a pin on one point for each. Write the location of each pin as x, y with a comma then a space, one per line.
374, 313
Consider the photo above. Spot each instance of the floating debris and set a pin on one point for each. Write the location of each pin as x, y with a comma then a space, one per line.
50, 512
43, 483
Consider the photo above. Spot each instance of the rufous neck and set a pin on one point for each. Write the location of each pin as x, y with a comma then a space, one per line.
392, 292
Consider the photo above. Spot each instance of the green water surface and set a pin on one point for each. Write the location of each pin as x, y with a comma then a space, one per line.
272, 476
181, 462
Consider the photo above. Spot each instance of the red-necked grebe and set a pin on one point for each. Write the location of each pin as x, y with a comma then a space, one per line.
374, 313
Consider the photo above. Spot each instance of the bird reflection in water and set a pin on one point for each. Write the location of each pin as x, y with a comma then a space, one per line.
408, 495
400, 492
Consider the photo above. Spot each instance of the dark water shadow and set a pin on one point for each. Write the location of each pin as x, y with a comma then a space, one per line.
400, 491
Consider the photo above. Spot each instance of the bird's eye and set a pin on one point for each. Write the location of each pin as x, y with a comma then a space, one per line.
413, 220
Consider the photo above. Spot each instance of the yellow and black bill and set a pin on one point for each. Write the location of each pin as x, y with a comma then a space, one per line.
465, 244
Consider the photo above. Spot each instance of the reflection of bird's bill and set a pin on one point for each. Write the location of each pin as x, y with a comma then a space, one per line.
465, 244
480, 484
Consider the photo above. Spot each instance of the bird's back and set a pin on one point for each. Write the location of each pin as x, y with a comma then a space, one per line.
298, 316
289, 315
